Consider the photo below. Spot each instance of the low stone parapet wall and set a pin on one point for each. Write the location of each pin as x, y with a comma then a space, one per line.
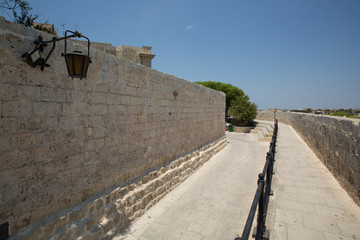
335, 140
242, 129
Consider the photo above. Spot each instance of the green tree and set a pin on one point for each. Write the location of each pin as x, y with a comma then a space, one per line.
341, 113
238, 104
20, 11
243, 110
231, 92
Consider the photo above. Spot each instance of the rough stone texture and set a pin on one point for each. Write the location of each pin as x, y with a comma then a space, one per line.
140, 55
106, 215
64, 141
335, 140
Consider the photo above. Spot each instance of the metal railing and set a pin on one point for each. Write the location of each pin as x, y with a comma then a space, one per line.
262, 195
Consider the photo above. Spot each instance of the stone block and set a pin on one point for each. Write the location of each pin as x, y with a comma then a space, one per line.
96, 109
113, 98
99, 203
23, 158
10, 74
75, 96
116, 109
95, 97
46, 109
117, 89
16, 109
50, 94
131, 91
135, 110
98, 132
89, 224
109, 210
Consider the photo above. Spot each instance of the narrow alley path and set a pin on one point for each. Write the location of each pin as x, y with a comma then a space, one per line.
308, 202
213, 203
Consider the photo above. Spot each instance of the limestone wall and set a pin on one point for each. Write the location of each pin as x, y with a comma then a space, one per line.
67, 144
140, 55
335, 140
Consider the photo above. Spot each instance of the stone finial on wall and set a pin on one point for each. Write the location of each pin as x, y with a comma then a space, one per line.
136, 54
145, 59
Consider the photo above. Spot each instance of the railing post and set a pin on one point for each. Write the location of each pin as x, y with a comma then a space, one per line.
270, 172
261, 212
260, 232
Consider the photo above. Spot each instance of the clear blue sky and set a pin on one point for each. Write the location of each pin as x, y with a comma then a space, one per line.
282, 53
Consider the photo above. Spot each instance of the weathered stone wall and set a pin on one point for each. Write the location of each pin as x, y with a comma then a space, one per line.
335, 140
66, 142
102, 217
134, 53
140, 55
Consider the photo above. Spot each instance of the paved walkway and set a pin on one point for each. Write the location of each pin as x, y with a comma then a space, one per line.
308, 202
214, 202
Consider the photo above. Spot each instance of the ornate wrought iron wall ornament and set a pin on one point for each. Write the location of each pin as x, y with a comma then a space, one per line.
76, 62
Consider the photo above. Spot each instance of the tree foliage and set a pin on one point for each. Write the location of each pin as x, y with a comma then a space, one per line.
20, 11
238, 103
243, 110
341, 113
231, 92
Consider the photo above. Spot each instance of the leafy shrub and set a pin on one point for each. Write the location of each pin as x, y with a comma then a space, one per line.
341, 114
238, 104
243, 110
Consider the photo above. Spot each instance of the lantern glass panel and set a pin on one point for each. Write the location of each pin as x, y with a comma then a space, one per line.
35, 57
69, 64
77, 65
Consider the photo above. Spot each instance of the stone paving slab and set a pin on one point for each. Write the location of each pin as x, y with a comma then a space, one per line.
213, 203
308, 202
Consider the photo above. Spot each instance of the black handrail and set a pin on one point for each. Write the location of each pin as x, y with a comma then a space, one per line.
262, 195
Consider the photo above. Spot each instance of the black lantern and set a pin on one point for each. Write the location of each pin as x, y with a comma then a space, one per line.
76, 63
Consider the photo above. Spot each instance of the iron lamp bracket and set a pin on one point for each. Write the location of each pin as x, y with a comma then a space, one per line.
34, 57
